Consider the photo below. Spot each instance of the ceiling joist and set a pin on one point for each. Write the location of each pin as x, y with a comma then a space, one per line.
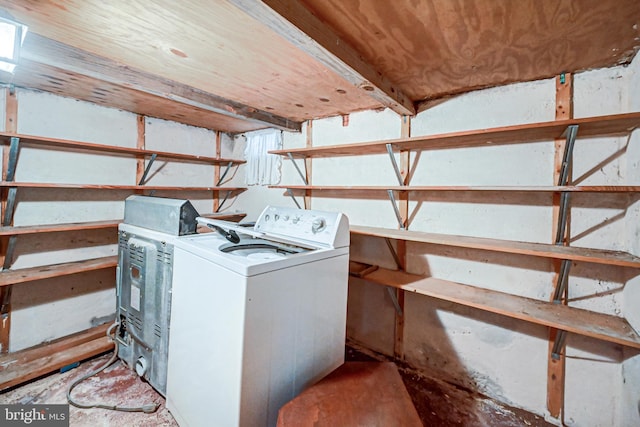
48, 52
293, 21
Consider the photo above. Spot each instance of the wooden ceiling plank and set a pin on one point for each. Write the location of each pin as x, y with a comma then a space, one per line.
46, 51
293, 21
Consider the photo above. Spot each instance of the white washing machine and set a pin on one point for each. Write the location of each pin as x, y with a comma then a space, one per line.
256, 321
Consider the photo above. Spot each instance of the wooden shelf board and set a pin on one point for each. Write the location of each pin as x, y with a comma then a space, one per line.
113, 187
52, 228
533, 132
24, 365
5, 137
516, 189
598, 256
23, 275
583, 322
94, 225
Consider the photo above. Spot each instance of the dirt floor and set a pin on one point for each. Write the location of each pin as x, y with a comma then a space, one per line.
438, 403
441, 404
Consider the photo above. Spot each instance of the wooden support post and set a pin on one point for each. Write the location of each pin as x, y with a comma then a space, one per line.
308, 164
556, 366
403, 207
10, 125
216, 171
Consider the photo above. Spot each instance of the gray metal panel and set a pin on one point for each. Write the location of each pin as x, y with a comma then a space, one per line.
145, 268
172, 216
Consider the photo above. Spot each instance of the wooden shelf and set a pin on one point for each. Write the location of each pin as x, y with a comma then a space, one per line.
533, 132
95, 225
113, 187
598, 256
513, 189
21, 366
583, 322
23, 275
52, 228
5, 138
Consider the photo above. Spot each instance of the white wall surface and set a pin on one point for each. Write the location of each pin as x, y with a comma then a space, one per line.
498, 356
50, 309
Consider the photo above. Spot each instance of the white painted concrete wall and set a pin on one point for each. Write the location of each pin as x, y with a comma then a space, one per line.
50, 309
500, 357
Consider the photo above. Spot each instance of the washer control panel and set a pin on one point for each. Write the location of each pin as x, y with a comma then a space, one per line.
309, 225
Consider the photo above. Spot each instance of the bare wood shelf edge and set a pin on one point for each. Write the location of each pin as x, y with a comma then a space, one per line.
24, 365
112, 187
531, 132
583, 322
598, 256
52, 228
5, 137
514, 189
23, 275
94, 225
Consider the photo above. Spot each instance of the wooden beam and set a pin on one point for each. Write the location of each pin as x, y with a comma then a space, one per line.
401, 245
11, 125
293, 21
216, 169
43, 50
556, 365
308, 164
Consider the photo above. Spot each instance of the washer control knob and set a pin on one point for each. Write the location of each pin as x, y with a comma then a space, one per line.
276, 217
318, 225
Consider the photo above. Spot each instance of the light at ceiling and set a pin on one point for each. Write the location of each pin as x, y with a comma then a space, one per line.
11, 37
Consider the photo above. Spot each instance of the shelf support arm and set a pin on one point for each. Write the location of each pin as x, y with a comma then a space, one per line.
563, 178
394, 254
570, 133
10, 206
394, 299
224, 174
558, 344
395, 209
147, 169
563, 279
293, 197
396, 169
8, 257
14, 148
304, 179
226, 196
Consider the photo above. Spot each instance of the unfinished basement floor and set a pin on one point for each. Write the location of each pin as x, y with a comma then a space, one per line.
439, 404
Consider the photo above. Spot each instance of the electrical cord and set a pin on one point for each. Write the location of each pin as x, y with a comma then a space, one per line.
148, 409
